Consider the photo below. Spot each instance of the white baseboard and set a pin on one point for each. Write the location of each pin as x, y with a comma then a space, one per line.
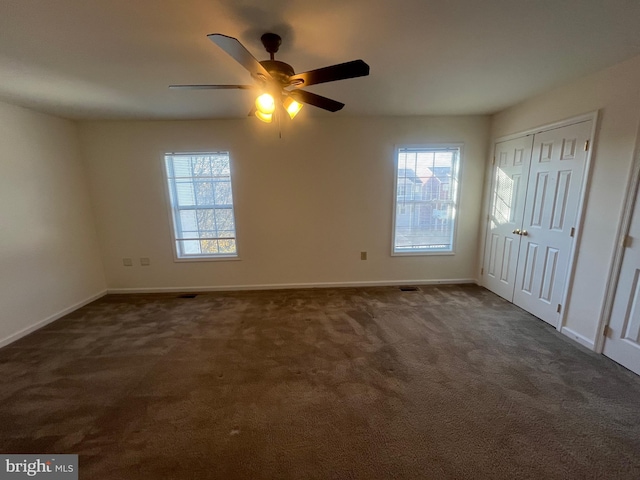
286, 286
26, 331
581, 339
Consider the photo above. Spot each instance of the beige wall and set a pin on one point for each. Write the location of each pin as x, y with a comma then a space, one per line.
306, 204
49, 255
615, 92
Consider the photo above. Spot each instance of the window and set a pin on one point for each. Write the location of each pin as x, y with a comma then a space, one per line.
425, 199
201, 204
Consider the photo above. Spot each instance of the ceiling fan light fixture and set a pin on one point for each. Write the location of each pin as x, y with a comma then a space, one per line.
265, 117
292, 107
265, 104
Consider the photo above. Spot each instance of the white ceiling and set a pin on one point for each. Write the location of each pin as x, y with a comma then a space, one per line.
113, 59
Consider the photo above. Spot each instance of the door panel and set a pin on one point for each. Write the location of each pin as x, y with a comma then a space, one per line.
529, 267
622, 343
507, 257
540, 196
507, 200
550, 212
559, 208
549, 274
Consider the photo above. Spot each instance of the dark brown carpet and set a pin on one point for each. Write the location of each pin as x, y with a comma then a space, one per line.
366, 383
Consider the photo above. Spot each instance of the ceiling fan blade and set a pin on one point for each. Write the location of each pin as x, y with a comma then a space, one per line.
316, 100
211, 87
342, 71
240, 54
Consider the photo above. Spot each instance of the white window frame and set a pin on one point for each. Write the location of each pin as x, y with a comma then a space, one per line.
456, 177
173, 210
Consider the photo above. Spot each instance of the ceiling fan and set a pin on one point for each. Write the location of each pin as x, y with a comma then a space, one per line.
279, 85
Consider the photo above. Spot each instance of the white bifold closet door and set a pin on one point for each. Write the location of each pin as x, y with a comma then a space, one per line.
536, 191
622, 340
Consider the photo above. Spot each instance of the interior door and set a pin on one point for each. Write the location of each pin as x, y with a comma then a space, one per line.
508, 190
554, 190
622, 342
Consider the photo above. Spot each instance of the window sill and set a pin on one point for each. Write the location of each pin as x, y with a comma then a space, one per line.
206, 259
419, 254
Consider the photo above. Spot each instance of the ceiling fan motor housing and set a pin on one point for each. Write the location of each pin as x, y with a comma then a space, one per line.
280, 71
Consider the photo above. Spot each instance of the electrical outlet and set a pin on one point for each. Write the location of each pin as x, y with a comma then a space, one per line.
145, 262
127, 262
363, 255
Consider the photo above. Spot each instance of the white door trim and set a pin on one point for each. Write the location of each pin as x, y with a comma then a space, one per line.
586, 181
623, 230
550, 126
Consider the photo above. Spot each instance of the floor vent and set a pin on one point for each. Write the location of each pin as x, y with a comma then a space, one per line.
188, 295
409, 289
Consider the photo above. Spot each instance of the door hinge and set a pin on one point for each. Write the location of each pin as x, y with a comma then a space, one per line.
559, 309
573, 231
586, 146
493, 161
628, 241
606, 331
482, 271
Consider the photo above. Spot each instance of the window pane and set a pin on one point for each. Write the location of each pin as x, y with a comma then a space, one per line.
206, 221
223, 193
426, 187
220, 165
188, 234
204, 193
189, 247
227, 246
202, 204
224, 219
209, 246
201, 166
188, 220
186, 194
181, 167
